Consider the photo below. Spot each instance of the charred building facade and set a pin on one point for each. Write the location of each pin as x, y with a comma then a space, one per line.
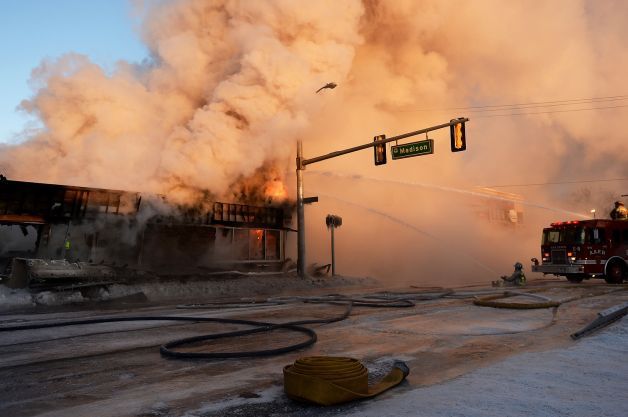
100, 226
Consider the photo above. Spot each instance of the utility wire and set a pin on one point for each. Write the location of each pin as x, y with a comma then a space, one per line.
555, 183
530, 104
543, 106
548, 112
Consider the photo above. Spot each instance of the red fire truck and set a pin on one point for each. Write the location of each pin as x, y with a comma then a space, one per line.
585, 249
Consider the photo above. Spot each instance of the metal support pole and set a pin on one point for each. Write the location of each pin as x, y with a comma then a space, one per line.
333, 253
300, 213
301, 164
305, 162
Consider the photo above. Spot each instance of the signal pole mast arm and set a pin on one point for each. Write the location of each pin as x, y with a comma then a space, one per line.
304, 162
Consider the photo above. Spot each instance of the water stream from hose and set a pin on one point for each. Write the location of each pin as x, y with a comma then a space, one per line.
449, 189
416, 229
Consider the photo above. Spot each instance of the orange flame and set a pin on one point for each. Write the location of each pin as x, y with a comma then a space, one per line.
276, 190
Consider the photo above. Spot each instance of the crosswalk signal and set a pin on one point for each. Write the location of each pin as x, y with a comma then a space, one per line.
458, 137
379, 150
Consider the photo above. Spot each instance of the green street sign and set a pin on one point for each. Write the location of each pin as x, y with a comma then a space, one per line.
422, 147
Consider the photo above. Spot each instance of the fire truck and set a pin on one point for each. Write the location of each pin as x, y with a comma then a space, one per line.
583, 249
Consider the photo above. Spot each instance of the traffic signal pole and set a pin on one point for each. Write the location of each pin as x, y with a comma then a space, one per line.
333, 253
300, 213
302, 163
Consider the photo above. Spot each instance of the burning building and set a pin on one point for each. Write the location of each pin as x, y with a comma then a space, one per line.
113, 227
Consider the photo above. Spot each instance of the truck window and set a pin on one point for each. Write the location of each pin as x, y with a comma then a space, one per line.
596, 235
551, 236
573, 235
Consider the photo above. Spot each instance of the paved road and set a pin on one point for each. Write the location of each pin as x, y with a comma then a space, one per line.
116, 369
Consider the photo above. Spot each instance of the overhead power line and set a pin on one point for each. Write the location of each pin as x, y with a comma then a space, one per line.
548, 112
555, 183
543, 106
539, 107
531, 104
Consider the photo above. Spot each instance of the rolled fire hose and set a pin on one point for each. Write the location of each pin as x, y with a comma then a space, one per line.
329, 380
547, 302
490, 301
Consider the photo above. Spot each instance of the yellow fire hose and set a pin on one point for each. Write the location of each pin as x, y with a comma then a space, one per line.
328, 380
490, 301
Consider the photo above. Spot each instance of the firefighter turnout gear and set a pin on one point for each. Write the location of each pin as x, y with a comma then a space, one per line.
517, 278
620, 212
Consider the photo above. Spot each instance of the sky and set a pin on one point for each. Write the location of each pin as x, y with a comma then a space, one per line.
34, 30
230, 85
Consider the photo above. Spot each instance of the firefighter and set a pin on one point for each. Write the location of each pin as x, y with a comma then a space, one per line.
66, 247
518, 278
620, 212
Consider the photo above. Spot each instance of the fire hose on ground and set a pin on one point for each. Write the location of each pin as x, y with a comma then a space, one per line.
326, 380
491, 301
384, 300
604, 318
258, 327
318, 380
322, 380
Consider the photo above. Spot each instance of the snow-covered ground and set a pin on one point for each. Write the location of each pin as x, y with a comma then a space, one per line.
588, 379
465, 360
199, 288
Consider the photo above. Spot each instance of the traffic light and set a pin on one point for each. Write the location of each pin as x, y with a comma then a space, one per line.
333, 221
379, 150
458, 137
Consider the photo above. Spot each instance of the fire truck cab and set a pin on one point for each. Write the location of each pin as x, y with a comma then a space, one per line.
583, 249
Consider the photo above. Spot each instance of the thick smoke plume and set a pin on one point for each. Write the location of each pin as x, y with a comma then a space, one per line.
226, 91
419, 59
230, 86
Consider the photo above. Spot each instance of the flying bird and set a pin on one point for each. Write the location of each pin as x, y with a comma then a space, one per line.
328, 85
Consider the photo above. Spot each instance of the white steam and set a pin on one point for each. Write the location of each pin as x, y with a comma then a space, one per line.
227, 92
230, 87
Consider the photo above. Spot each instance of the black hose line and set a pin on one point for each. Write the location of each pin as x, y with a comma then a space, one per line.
207, 306
166, 349
264, 327
390, 300
358, 302
129, 318
435, 294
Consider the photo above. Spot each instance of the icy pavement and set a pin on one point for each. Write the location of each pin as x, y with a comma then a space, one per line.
465, 361
587, 379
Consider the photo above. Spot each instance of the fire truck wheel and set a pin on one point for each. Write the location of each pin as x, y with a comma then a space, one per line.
616, 272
